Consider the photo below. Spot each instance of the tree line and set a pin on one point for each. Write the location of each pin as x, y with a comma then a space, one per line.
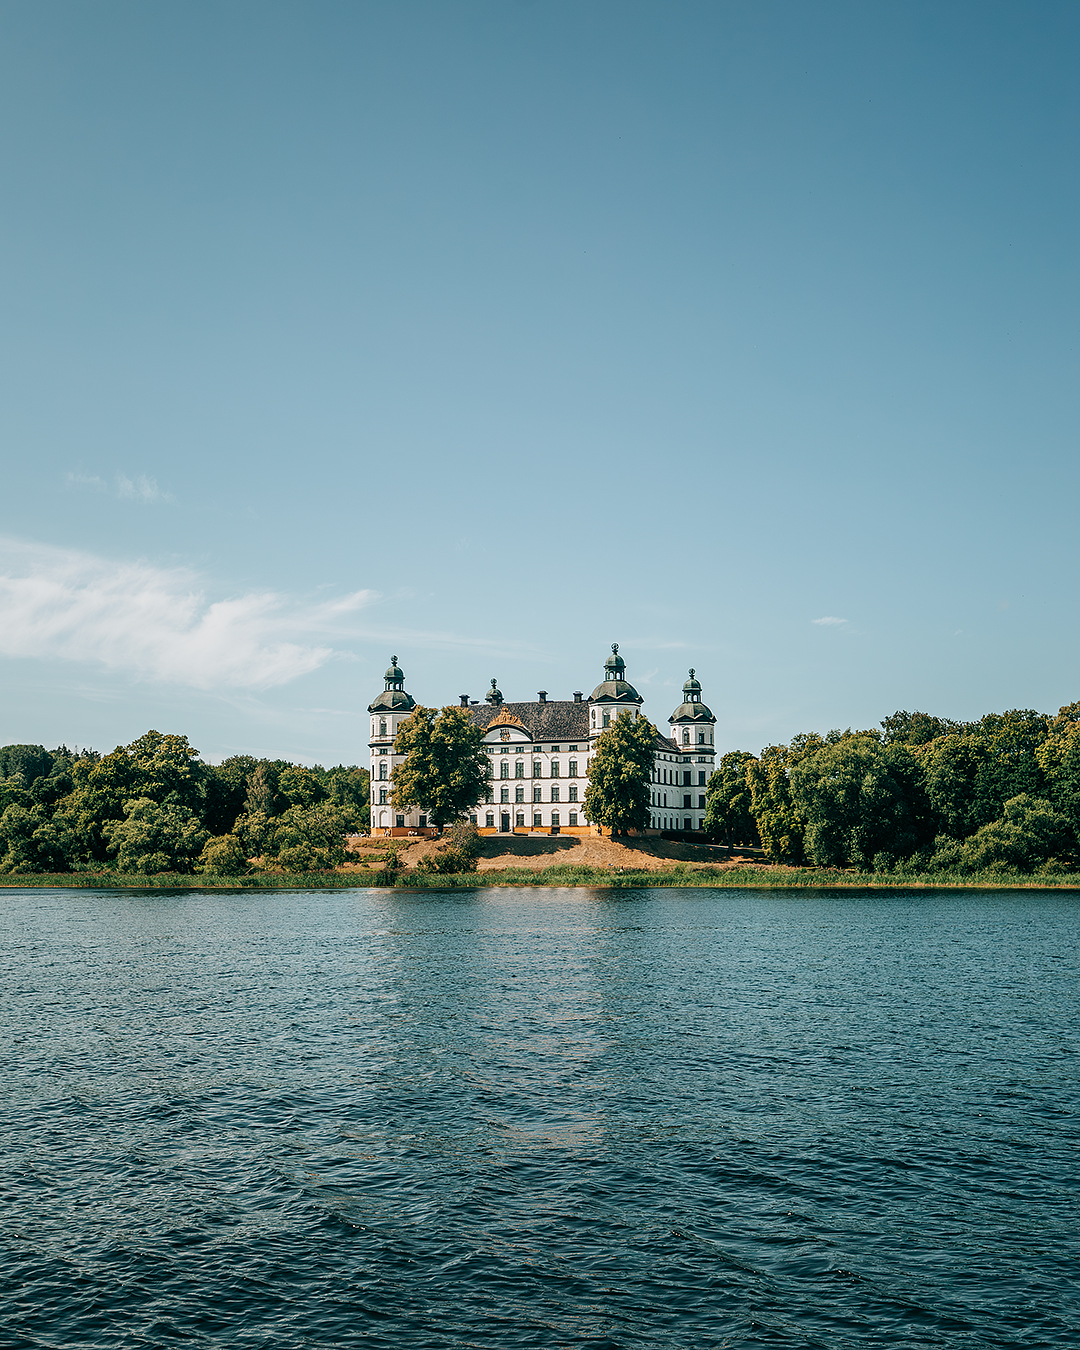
154, 806
917, 794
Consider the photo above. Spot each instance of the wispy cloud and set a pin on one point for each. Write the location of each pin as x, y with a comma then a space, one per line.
141, 488
829, 620
158, 623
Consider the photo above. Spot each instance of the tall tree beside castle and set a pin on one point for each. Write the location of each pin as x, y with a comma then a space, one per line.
445, 770
620, 775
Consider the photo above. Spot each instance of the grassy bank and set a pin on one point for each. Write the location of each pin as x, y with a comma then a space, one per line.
750, 877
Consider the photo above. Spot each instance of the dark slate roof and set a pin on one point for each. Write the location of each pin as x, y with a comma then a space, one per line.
557, 720
692, 712
665, 743
394, 700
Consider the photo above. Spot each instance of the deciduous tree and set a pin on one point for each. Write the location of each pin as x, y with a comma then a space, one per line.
446, 770
620, 775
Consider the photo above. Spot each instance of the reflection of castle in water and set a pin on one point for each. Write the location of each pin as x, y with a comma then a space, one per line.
540, 756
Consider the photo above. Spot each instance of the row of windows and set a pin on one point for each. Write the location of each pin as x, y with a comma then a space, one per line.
524, 749
519, 820
537, 794
660, 799
537, 769
672, 776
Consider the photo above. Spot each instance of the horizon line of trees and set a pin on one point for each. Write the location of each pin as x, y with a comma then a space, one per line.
154, 806
919, 794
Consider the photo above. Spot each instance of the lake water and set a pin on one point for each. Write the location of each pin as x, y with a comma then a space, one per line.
697, 1118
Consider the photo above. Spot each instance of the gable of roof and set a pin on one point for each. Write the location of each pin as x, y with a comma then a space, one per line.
556, 720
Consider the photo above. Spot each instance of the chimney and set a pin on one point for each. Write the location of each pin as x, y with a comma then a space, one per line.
474, 703
543, 695
464, 700
577, 695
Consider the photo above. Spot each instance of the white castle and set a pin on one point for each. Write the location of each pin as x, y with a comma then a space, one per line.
540, 756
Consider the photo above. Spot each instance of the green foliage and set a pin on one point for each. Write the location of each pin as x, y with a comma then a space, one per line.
459, 851
446, 770
917, 728
223, 856
861, 802
728, 818
32, 761
13, 792
262, 791
1029, 834
620, 775
31, 842
350, 788
779, 826
306, 838
1059, 759
155, 837
301, 787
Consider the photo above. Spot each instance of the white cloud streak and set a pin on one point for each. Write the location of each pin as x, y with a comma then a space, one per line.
829, 620
157, 623
141, 489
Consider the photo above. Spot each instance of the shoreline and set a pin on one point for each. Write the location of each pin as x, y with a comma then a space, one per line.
570, 877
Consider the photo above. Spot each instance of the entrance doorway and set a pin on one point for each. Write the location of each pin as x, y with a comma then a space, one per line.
504, 825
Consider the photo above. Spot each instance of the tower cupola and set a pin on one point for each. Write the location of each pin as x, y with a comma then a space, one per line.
694, 717
393, 696
493, 696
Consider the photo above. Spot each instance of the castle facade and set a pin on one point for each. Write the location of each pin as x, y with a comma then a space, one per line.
540, 755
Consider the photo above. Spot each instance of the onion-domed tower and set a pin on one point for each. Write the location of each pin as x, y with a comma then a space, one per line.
693, 730
614, 696
388, 711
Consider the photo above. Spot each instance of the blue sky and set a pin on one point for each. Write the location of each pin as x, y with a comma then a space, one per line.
488, 334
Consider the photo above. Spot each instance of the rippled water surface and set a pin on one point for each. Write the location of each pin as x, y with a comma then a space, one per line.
694, 1118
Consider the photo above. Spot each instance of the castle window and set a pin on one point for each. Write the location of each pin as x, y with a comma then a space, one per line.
473, 820
701, 803
554, 794
554, 769
423, 822
572, 794
537, 794
555, 819
382, 726
573, 768
554, 749
400, 822
573, 817
504, 769
382, 796
489, 820
504, 795
701, 738
701, 778
592, 715
607, 719
573, 749
519, 794
382, 770
519, 770
504, 749
538, 769
538, 820
519, 819
686, 738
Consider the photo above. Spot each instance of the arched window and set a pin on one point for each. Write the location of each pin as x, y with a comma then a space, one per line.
382, 726
686, 738
607, 719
